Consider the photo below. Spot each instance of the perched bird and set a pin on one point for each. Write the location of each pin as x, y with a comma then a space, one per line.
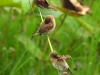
43, 4
47, 26
59, 62
64, 73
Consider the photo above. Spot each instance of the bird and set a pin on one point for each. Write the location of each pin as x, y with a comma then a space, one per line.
43, 4
46, 26
59, 62
64, 73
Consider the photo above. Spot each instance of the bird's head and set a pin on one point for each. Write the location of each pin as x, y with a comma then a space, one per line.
53, 55
49, 18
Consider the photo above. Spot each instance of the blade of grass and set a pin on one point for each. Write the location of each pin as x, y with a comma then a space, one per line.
84, 24
17, 63
22, 64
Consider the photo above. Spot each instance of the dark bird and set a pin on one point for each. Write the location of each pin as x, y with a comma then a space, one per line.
64, 73
47, 26
59, 62
43, 4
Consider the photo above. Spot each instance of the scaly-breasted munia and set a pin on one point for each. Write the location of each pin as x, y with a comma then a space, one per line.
43, 4
59, 62
47, 26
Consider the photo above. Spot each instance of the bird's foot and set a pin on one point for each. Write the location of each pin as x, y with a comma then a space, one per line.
47, 35
59, 72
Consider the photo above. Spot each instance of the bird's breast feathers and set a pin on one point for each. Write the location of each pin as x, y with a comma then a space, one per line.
58, 67
61, 65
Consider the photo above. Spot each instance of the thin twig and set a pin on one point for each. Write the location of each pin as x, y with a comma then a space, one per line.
40, 14
62, 21
30, 5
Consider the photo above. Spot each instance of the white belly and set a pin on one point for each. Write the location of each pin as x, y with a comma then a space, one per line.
58, 67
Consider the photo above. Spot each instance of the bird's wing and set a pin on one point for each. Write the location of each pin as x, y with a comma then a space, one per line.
64, 57
45, 28
60, 58
44, 4
37, 32
68, 57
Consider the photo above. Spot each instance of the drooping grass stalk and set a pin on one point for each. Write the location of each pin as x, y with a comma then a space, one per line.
17, 63
47, 35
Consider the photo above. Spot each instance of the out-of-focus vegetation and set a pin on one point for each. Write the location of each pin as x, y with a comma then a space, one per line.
21, 55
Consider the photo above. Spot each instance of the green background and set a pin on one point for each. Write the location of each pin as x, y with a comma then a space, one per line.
78, 37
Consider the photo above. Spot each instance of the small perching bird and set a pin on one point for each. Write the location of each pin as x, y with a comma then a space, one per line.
43, 4
47, 26
59, 62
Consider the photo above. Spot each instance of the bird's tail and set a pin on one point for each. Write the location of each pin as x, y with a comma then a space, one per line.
70, 71
52, 8
34, 34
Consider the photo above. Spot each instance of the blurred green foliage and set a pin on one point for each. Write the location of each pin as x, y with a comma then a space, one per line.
21, 55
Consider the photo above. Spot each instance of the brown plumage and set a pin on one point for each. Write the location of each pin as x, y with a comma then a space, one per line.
75, 7
64, 73
47, 26
59, 62
42, 4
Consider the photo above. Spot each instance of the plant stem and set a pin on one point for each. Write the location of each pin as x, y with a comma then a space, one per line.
62, 21
50, 43
40, 14
30, 5
47, 35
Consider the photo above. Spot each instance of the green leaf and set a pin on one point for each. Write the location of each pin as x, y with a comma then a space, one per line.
22, 4
29, 45
84, 24
10, 3
25, 5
